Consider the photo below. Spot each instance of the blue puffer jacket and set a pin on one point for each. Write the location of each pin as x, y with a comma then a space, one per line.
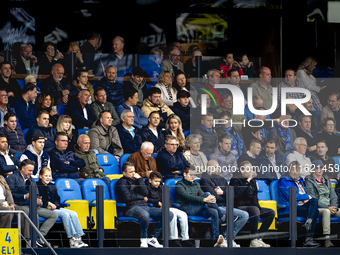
26, 114
60, 169
114, 91
284, 183
48, 132
130, 144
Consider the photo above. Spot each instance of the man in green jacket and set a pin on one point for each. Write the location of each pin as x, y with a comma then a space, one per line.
192, 199
101, 104
91, 170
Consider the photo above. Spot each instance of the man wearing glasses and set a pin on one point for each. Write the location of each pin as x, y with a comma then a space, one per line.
332, 109
169, 161
4, 107
174, 62
299, 155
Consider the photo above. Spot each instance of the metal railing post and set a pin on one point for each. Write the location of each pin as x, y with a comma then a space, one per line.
230, 215
100, 214
33, 212
292, 217
166, 215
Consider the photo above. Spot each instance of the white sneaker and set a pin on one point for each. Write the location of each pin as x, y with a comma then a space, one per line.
255, 243
224, 244
263, 243
154, 242
75, 243
144, 243
235, 245
219, 241
81, 242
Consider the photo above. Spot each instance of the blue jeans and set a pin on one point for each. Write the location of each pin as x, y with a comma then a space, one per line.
309, 210
143, 214
106, 180
70, 222
240, 219
211, 211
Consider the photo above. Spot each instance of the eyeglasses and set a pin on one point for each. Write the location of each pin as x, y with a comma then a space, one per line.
173, 144
330, 125
303, 145
4, 95
176, 56
130, 117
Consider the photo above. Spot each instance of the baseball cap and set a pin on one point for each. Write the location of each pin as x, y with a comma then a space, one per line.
318, 163
38, 136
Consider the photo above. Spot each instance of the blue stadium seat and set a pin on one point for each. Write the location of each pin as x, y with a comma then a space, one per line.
83, 131
70, 197
186, 133
154, 156
109, 163
318, 113
61, 109
122, 160
263, 190
24, 132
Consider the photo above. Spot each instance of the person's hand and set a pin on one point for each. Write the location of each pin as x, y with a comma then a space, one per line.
12, 207
249, 179
10, 94
257, 135
117, 157
59, 55
160, 204
322, 88
90, 71
146, 199
338, 150
53, 206
27, 196
136, 176
175, 172
250, 64
210, 199
65, 92
53, 112
79, 56
235, 63
101, 170
219, 191
39, 201
33, 59
312, 148
65, 99
8, 173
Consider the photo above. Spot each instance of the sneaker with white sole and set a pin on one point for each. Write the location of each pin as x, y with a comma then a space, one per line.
74, 243
144, 243
255, 243
219, 241
235, 245
224, 244
263, 243
154, 242
81, 242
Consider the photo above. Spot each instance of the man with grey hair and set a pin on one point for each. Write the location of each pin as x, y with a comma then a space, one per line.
143, 161
130, 137
299, 155
174, 62
26, 61
114, 90
104, 136
92, 169
80, 111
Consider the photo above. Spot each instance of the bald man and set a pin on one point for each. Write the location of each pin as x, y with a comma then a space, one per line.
263, 88
58, 87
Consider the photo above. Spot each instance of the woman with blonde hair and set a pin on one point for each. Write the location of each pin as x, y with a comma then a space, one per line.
168, 92
193, 154
64, 124
305, 74
173, 126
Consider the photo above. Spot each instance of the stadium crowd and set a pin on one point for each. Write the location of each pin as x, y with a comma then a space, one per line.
42, 139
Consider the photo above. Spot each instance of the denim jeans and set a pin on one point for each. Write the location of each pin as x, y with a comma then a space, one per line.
240, 219
143, 214
254, 214
183, 221
211, 211
70, 222
309, 210
106, 180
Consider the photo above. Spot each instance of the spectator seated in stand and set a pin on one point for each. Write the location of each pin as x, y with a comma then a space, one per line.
24, 108
191, 67
64, 163
35, 152
101, 104
331, 110
26, 61
130, 137
114, 90
182, 108
247, 66
42, 126
104, 137
58, 87
46, 102
15, 137
80, 111
230, 63
5, 108
64, 124
170, 162
51, 201
330, 137
8, 83
79, 61
138, 83
81, 81
254, 150
174, 61
304, 130
131, 190
168, 92
143, 161
91, 168
49, 58
173, 126
152, 133
130, 103
9, 163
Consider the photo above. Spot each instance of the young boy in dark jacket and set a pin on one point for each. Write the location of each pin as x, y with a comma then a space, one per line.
182, 109
155, 185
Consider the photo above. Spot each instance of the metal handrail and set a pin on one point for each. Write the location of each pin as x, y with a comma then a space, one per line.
19, 212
